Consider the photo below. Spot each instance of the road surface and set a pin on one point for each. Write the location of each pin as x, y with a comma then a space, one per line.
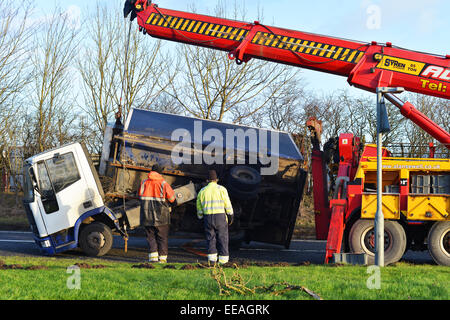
191, 251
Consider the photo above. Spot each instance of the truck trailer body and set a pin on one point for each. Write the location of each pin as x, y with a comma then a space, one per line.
69, 207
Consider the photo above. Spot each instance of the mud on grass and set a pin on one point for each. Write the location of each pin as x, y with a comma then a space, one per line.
230, 265
4, 266
88, 266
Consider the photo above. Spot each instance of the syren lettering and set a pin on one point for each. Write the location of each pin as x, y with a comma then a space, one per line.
395, 64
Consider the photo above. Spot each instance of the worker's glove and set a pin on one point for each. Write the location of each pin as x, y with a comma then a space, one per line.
230, 218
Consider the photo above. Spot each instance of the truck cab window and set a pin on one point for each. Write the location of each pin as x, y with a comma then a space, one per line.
55, 175
63, 171
48, 196
28, 191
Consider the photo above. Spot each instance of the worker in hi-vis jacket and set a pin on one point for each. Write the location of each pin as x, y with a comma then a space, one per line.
155, 193
214, 207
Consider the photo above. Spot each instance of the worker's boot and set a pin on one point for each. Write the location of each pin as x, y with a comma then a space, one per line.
212, 259
153, 257
223, 259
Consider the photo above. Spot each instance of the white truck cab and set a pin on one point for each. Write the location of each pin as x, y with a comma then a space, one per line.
62, 191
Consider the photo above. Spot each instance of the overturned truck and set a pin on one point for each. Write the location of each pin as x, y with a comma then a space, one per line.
69, 204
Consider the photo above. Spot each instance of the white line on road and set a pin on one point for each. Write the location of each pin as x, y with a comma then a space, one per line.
23, 241
285, 250
17, 232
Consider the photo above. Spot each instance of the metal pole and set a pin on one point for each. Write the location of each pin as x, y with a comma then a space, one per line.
382, 126
379, 217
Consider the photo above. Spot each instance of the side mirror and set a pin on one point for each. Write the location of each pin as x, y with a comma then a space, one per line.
34, 181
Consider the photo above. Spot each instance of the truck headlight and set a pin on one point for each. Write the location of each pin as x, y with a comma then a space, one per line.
46, 244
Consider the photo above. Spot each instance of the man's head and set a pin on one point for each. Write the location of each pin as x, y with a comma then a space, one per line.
212, 176
157, 168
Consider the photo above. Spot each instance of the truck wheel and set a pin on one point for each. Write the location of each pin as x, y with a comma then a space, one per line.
439, 242
236, 239
242, 195
362, 240
96, 239
244, 178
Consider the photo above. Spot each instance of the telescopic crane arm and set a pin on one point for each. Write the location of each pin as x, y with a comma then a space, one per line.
367, 66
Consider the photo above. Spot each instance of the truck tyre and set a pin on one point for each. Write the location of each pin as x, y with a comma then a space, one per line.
236, 239
96, 239
244, 178
242, 195
439, 242
362, 240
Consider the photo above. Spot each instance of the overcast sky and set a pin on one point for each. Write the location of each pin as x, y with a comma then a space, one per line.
414, 24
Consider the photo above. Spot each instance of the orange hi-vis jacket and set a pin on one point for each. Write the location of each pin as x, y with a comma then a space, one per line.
154, 194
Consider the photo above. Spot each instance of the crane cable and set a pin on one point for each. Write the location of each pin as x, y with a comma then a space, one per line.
124, 92
125, 71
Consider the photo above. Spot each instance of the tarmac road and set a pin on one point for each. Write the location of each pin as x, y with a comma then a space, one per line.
14, 243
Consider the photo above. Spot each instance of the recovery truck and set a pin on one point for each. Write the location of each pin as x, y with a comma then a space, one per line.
267, 205
413, 211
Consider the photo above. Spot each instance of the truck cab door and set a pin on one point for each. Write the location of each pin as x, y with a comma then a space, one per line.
64, 194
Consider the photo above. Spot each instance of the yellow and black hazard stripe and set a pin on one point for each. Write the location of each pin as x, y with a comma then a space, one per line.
261, 38
198, 27
308, 47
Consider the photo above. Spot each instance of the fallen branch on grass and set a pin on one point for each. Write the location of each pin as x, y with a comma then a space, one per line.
237, 284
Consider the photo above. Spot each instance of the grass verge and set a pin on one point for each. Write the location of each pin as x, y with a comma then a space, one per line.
50, 279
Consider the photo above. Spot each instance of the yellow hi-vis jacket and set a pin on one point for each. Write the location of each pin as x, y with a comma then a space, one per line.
213, 199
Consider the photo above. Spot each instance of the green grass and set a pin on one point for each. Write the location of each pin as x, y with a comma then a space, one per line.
119, 281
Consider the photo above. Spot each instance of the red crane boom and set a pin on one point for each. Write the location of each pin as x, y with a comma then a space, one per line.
366, 65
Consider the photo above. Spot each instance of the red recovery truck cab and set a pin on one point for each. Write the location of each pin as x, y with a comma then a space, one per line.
416, 201
368, 66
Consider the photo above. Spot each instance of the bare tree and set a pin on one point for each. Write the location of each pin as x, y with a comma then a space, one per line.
15, 33
14, 36
362, 119
211, 86
51, 91
118, 67
437, 110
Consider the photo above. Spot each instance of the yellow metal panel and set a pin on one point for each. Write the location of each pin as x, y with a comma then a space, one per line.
391, 206
429, 207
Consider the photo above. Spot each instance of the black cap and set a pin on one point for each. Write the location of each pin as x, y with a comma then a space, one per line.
157, 168
129, 8
212, 175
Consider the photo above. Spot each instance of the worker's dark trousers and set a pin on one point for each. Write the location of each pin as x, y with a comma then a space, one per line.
158, 239
216, 232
